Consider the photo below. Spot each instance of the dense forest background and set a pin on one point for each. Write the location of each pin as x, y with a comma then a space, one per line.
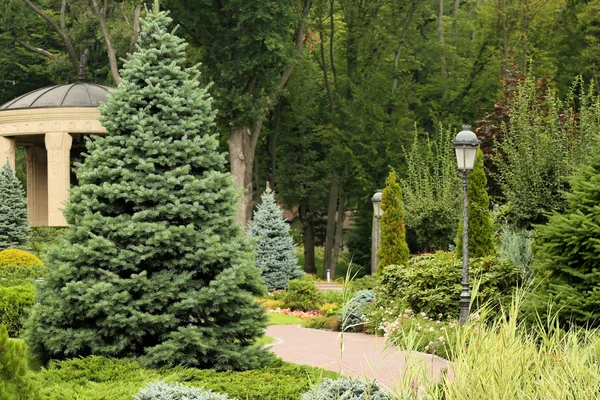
321, 98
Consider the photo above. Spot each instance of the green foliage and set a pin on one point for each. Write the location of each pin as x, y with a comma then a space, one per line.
481, 230
19, 258
14, 228
431, 283
151, 266
15, 302
431, 192
16, 382
366, 282
545, 139
393, 249
302, 295
21, 272
176, 391
327, 322
275, 251
42, 236
98, 378
347, 388
516, 246
352, 314
568, 258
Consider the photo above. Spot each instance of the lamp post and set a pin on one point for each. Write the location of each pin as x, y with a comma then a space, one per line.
375, 232
465, 145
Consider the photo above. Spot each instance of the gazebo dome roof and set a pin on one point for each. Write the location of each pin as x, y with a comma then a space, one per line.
70, 95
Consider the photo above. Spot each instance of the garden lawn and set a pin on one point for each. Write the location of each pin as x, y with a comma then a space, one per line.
282, 319
100, 378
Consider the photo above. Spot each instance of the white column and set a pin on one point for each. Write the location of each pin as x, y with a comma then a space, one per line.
7, 151
37, 185
58, 147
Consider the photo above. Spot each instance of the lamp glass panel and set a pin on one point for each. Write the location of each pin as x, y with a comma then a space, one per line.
470, 154
460, 157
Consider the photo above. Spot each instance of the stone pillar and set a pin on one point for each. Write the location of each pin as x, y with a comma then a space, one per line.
7, 151
58, 147
37, 185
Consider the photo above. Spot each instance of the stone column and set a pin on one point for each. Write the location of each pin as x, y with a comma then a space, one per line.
7, 151
58, 146
37, 185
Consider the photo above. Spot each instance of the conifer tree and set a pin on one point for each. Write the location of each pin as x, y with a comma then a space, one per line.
568, 259
14, 228
275, 251
152, 266
481, 230
393, 249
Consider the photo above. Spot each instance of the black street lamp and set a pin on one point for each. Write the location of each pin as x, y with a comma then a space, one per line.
466, 145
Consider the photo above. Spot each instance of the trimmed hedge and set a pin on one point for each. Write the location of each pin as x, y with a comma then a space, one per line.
15, 302
18, 257
21, 272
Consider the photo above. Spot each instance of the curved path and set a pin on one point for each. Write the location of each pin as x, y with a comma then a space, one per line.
353, 354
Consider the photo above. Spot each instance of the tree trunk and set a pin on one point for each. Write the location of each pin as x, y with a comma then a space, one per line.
334, 190
308, 237
339, 230
441, 38
274, 136
242, 146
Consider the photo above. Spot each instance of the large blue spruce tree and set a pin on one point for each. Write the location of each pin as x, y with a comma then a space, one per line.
152, 267
14, 228
275, 250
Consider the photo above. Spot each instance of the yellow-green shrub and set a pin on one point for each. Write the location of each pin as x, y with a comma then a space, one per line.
18, 257
15, 302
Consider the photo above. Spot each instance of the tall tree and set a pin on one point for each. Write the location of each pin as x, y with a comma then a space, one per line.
152, 266
14, 228
250, 49
481, 231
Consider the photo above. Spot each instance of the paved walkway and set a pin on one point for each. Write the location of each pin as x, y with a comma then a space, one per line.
362, 355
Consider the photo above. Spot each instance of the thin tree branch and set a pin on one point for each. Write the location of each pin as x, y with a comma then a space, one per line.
136, 27
34, 49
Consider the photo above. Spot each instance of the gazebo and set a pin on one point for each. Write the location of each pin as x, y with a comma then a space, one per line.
50, 123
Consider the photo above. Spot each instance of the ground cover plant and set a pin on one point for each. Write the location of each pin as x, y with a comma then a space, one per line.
275, 251
347, 389
14, 228
151, 266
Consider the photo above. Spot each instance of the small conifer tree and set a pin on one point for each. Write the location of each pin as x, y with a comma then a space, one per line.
275, 251
152, 266
481, 230
393, 249
16, 382
14, 228
568, 259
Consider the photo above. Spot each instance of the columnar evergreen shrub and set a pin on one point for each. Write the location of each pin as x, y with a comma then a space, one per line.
431, 192
177, 391
348, 389
275, 251
152, 266
481, 230
352, 314
15, 381
15, 302
393, 249
568, 258
14, 228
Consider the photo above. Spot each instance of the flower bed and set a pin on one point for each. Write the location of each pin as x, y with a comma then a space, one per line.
297, 313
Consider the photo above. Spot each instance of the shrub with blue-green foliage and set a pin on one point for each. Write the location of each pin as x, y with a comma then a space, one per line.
347, 389
177, 391
516, 246
14, 228
275, 251
352, 314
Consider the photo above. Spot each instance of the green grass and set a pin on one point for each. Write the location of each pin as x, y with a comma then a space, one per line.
265, 340
282, 319
340, 269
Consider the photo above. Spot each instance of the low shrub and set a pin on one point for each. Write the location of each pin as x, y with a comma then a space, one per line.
176, 391
16, 382
431, 282
18, 257
323, 322
268, 303
101, 378
516, 246
331, 309
367, 282
42, 236
352, 314
347, 389
302, 295
15, 302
